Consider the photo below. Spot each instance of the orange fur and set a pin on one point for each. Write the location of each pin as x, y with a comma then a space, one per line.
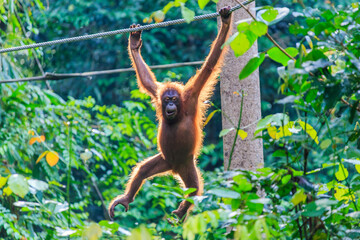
180, 110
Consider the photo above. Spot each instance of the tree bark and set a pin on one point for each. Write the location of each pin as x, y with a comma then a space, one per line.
248, 153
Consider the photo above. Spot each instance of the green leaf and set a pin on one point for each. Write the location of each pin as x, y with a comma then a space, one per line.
251, 66
318, 207
298, 197
325, 144
328, 15
315, 55
241, 233
92, 232
311, 95
187, 14
357, 167
224, 193
270, 15
277, 119
278, 56
18, 185
38, 185
311, 210
242, 42
112, 225
243, 184
258, 28
282, 13
225, 131
255, 207
342, 173
286, 179
279, 153
202, 3
188, 191
243, 26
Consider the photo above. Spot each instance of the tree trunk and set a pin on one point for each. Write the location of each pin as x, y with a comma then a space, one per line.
248, 153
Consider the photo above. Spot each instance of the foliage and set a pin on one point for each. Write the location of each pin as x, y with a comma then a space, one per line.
321, 93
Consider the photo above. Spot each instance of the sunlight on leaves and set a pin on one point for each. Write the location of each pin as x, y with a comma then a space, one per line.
240, 44
298, 197
242, 41
86, 155
159, 16
309, 130
272, 130
3, 181
64, 232
277, 119
41, 156
210, 116
272, 15
225, 131
38, 184
37, 139
224, 193
278, 56
242, 134
357, 167
140, 233
18, 185
342, 173
243, 184
92, 232
203, 3
325, 144
52, 158
187, 14
282, 131
269, 15
241, 232
343, 194
7, 191
259, 28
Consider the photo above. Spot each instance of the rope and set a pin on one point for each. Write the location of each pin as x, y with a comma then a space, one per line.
120, 31
59, 76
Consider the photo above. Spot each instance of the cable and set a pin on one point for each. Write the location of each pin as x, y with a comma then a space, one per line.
120, 31
59, 76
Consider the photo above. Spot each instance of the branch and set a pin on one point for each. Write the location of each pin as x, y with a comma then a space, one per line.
267, 34
349, 104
